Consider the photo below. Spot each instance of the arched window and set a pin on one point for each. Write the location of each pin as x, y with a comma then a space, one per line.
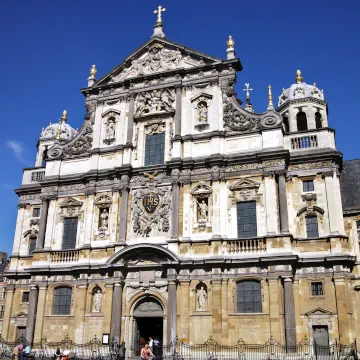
62, 300
286, 124
318, 122
301, 121
248, 296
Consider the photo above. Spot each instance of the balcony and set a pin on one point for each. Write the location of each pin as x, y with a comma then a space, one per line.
245, 246
310, 139
64, 256
33, 175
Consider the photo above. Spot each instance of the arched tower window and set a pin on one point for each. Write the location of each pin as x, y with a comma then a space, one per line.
301, 121
318, 122
286, 123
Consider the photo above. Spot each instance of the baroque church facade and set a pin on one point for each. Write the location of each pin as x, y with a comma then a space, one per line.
178, 211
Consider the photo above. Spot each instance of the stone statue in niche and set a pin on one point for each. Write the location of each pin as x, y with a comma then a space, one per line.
201, 298
203, 210
97, 300
202, 112
110, 131
104, 219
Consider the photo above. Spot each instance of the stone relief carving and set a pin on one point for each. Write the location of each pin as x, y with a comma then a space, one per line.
103, 203
70, 207
155, 127
154, 102
313, 165
150, 209
72, 187
30, 197
136, 140
145, 259
159, 287
157, 59
202, 203
243, 167
161, 80
110, 135
202, 296
201, 105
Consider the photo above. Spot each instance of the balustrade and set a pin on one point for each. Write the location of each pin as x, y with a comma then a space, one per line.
304, 142
65, 256
246, 246
37, 176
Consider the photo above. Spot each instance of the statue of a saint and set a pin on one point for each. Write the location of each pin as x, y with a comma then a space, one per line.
104, 219
203, 209
110, 130
202, 296
203, 112
97, 300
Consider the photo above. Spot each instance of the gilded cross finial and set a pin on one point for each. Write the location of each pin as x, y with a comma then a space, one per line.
247, 85
299, 79
270, 96
93, 71
159, 12
230, 42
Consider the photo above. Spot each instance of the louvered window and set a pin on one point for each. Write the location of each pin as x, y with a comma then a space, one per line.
248, 296
154, 149
246, 219
70, 232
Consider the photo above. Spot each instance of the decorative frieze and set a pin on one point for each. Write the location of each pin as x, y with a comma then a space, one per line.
310, 165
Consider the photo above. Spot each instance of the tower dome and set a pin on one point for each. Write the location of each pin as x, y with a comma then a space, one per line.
300, 90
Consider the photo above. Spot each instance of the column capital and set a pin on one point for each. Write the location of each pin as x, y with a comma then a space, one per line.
287, 279
327, 174
33, 287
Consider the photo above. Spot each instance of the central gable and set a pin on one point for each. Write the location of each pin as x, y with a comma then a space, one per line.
156, 56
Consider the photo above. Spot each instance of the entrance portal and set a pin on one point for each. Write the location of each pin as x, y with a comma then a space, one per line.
148, 322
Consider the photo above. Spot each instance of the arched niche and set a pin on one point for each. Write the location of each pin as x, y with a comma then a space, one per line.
148, 307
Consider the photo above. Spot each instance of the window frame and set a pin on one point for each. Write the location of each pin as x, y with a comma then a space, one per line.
311, 282
306, 181
255, 230
308, 231
57, 305
3, 293
2, 311
63, 242
28, 297
357, 224
35, 209
148, 161
255, 302
32, 243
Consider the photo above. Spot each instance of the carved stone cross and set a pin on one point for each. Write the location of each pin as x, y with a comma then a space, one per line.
158, 12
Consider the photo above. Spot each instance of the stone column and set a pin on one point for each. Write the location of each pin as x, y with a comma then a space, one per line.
178, 112
289, 313
172, 312
130, 125
284, 220
40, 312
123, 213
175, 201
42, 226
116, 312
30, 322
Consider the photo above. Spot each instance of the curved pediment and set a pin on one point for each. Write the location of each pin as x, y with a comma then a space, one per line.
143, 254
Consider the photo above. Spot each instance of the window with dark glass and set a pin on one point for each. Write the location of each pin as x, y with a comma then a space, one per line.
318, 122
154, 149
25, 296
246, 219
2, 311
248, 296
317, 288
62, 301
358, 229
3, 293
308, 185
32, 245
312, 229
70, 232
301, 121
36, 212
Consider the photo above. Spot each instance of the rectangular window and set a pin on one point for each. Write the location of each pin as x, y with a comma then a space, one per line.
3, 293
308, 185
25, 297
248, 296
317, 289
36, 212
70, 232
154, 149
2, 311
358, 229
246, 219
62, 301
32, 246
312, 230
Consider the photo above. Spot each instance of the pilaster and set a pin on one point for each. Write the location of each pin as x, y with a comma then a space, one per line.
341, 292
19, 229
42, 225
175, 209
80, 309
216, 309
289, 313
8, 312
184, 310
40, 314
116, 312
274, 309
284, 219
172, 309
123, 213
89, 218
271, 203
31, 316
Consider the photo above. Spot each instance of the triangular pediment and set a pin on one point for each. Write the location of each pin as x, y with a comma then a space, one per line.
318, 311
70, 202
244, 184
157, 55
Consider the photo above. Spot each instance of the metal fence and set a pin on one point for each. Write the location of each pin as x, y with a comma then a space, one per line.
271, 350
93, 350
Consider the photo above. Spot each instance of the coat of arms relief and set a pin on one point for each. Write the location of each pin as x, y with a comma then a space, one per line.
150, 210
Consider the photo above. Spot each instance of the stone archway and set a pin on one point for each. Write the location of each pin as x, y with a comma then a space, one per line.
147, 319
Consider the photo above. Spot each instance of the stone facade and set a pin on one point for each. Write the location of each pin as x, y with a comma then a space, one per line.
4, 264
163, 241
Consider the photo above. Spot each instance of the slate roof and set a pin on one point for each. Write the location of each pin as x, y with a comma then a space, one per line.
350, 185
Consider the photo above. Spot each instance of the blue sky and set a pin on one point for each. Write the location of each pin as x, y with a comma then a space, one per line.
47, 48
